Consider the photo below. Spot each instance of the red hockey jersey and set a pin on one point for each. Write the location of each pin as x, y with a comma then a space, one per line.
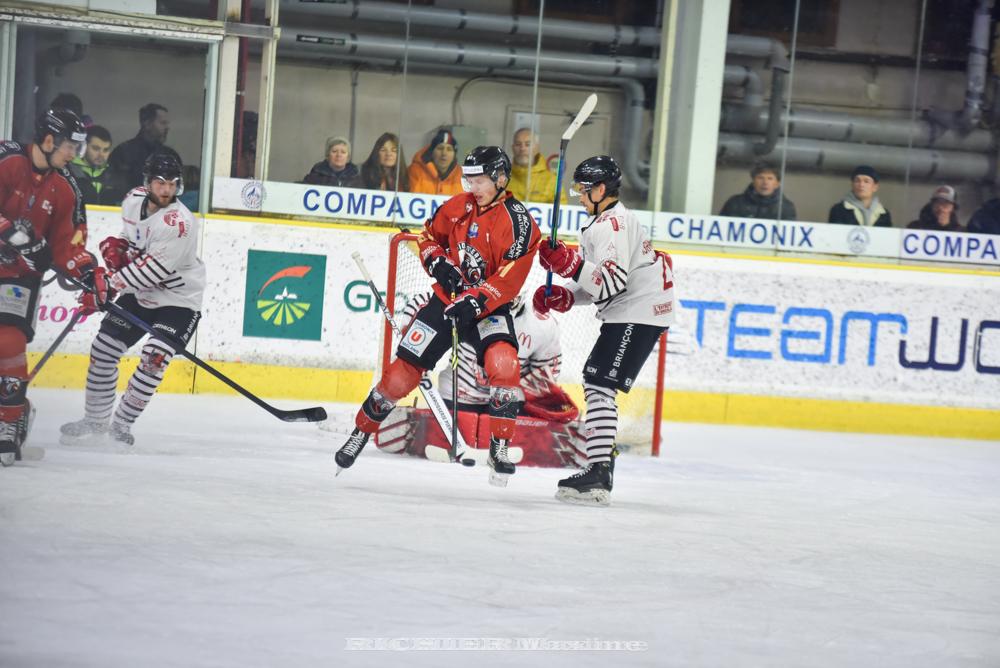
493, 246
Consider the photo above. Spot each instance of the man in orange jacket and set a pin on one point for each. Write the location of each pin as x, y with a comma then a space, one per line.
434, 169
478, 248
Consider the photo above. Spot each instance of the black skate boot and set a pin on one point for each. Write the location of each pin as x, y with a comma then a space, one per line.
349, 451
501, 468
589, 487
8, 443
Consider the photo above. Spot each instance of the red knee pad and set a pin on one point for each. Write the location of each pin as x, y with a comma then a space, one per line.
501, 365
399, 379
13, 345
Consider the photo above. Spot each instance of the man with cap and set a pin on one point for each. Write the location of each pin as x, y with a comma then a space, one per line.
939, 213
861, 206
434, 169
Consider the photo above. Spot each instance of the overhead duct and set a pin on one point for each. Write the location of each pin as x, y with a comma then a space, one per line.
459, 20
332, 43
862, 129
979, 48
841, 156
757, 47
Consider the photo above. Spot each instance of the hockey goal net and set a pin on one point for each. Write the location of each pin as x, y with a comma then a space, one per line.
639, 411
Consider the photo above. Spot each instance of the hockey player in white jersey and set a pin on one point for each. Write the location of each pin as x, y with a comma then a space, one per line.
154, 270
631, 284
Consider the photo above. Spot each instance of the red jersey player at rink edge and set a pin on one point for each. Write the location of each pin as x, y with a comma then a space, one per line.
37, 207
153, 267
479, 248
631, 284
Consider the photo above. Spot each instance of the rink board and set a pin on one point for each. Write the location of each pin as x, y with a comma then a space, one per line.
795, 343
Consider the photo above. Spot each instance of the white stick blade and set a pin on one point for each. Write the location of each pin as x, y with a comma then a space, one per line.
581, 117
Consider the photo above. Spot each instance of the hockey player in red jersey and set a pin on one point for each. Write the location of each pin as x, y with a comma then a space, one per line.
478, 248
631, 284
37, 208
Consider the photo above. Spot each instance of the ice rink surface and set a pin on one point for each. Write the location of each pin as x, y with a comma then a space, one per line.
224, 540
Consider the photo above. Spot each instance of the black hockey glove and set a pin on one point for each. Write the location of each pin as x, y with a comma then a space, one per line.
19, 235
447, 275
466, 309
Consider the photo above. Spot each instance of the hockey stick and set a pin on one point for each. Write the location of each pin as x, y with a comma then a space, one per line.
314, 414
581, 117
454, 385
55, 344
431, 396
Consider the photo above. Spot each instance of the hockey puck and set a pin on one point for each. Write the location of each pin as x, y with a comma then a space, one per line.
468, 462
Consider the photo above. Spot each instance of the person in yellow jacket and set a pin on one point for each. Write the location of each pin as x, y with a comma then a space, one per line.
434, 169
528, 160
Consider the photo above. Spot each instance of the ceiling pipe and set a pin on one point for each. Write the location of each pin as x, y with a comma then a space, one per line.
861, 129
474, 55
459, 20
843, 157
757, 47
979, 48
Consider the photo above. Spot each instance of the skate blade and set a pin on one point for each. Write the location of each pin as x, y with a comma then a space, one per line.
339, 469
96, 443
593, 497
499, 479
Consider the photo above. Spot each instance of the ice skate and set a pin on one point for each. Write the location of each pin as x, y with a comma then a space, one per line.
590, 487
120, 433
501, 468
25, 451
349, 451
8, 443
83, 432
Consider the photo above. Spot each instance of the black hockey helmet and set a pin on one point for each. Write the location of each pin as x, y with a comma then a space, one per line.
62, 124
599, 169
489, 160
166, 166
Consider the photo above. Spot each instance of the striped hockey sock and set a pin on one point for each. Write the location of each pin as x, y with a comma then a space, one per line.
102, 377
601, 422
153, 361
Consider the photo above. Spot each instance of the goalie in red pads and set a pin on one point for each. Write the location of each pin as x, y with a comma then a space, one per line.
549, 433
478, 248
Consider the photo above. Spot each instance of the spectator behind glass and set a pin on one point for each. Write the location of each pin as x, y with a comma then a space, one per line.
336, 170
939, 214
379, 171
128, 158
761, 198
987, 219
434, 169
91, 171
861, 206
191, 178
527, 160
74, 104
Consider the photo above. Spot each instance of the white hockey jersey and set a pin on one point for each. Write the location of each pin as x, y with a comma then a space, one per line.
164, 268
623, 275
539, 353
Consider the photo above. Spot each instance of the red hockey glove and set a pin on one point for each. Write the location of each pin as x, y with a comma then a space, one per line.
81, 265
114, 250
19, 235
466, 309
93, 300
560, 260
447, 275
560, 300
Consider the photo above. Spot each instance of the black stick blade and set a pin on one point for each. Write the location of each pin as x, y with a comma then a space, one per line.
315, 414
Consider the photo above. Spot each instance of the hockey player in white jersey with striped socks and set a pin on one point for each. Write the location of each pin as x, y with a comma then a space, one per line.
154, 270
631, 284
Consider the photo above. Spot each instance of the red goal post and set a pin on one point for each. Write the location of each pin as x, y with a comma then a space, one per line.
640, 411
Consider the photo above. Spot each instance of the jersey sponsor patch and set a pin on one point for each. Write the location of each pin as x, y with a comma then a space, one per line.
14, 299
663, 309
492, 325
418, 337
